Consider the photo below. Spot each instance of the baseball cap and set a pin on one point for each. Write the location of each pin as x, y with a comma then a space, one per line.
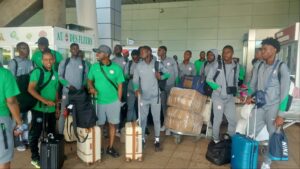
43, 41
103, 48
125, 52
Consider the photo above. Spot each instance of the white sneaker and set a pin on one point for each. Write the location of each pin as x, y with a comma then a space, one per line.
265, 166
21, 148
168, 133
118, 134
163, 128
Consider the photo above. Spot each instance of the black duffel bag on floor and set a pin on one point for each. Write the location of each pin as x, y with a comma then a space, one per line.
219, 153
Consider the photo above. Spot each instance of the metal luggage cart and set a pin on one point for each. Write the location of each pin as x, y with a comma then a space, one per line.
177, 136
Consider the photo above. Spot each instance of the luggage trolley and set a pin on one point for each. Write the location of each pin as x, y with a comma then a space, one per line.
206, 121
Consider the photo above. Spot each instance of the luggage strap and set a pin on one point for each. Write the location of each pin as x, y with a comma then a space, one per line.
133, 140
94, 144
255, 111
75, 127
69, 128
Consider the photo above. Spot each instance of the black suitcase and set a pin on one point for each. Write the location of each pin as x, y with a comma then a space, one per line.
52, 150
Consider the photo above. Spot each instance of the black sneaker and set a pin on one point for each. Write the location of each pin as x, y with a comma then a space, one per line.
147, 132
157, 146
143, 144
111, 151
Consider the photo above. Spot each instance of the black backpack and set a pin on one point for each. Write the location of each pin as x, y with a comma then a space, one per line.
219, 153
161, 83
83, 112
25, 99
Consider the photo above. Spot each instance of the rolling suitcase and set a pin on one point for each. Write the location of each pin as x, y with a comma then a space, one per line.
244, 153
89, 144
52, 150
133, 139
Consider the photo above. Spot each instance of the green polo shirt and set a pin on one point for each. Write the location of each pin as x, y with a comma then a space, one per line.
48, 92
198, 65
8, 89
37, 58
106, 92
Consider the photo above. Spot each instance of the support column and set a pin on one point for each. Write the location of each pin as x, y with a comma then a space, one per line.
86, 16
55, 13
109, 21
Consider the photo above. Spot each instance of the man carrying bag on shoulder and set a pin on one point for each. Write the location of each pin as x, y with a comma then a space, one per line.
105, 82
43, 87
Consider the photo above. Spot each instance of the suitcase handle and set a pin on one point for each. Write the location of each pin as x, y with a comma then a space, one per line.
254, 127
138, 121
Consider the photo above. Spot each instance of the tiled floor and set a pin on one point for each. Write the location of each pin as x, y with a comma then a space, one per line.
188, 154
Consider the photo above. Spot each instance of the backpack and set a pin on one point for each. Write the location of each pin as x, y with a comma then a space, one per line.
161, 83
219, 153
290, 97
25, 99
60, 87
83, 68
40, 85
83, 111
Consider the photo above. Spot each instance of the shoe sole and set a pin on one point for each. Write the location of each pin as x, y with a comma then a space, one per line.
35, 165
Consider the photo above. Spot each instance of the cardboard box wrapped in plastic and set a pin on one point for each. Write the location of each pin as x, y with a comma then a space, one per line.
187, 99
183, 121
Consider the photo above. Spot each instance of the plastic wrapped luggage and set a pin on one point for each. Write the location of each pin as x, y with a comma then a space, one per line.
183, 121
187, 99
89, 144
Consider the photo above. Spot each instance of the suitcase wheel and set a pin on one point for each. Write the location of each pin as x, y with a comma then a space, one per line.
177, 139
128, 159
89, 164
140, 159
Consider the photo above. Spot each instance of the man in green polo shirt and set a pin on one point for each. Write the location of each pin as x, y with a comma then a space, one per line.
8, 107
46, 106
199, 63
43, 45
105, 81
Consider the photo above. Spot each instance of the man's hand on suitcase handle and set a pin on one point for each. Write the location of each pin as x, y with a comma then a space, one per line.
137, 93
93, 91
49, 103
250, 100
278, 121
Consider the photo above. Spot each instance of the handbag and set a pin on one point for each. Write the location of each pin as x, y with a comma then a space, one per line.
278, 146
260, 95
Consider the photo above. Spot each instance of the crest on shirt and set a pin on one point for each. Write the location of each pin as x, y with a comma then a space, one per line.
190, 68
124, 63
53, 77
111, 71
80, 67
168, 64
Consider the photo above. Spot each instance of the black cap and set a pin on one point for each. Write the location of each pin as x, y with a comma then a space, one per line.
43, 41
